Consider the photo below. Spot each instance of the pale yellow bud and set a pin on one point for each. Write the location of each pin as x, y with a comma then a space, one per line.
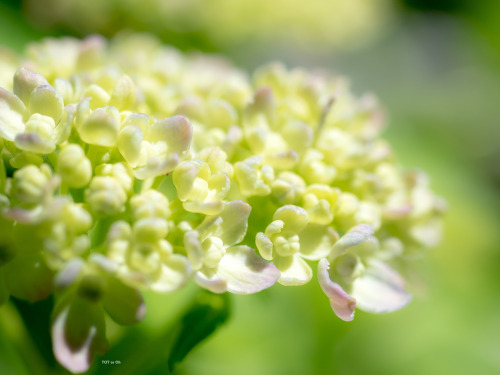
74, 167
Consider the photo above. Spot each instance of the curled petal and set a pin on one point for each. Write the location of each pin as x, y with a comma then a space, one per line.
354, 237
245, 272
342, 303
294, 270
294, 217
264, 245
380, 289
213, 284
230, 225
316, 241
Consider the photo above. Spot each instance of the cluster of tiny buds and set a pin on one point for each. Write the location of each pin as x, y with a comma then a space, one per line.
126, 166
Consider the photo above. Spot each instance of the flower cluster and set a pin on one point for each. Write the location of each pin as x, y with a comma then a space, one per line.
126, 166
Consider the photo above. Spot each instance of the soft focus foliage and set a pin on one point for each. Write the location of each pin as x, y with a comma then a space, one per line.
340, 24
129, 166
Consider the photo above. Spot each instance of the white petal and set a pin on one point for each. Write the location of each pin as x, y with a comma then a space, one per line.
33, 143
316, 241
76, 361
354, 237
294, 217
156, 167
213, 284
294, 270
175, 131
264, 245
206, 208
380, 289
174, 274
234, 222
12, 110
194, 251
342, 303
230, 225
245, 272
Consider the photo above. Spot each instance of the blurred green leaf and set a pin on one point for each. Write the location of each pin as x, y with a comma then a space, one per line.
206, 315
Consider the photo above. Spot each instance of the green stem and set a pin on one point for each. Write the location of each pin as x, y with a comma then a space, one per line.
136, 361
27, 330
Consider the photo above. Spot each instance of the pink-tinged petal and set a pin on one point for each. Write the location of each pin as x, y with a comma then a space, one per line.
294, 270
175, 131
354, 237
75, 361
213, 284
342, 303
380, 289
25, 82
78, 332
245, 272
32, 142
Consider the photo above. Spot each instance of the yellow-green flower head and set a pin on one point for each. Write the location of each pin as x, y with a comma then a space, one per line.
126, 166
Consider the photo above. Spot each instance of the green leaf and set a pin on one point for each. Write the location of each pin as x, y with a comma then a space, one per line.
208, 313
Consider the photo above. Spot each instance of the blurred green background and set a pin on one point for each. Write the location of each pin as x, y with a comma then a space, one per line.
435, 66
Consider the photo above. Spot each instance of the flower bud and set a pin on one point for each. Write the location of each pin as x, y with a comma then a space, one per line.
106, 196
74, 167
101, 127
30, 184
150, 204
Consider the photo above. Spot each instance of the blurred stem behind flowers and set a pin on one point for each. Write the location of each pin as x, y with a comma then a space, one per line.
128, 167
